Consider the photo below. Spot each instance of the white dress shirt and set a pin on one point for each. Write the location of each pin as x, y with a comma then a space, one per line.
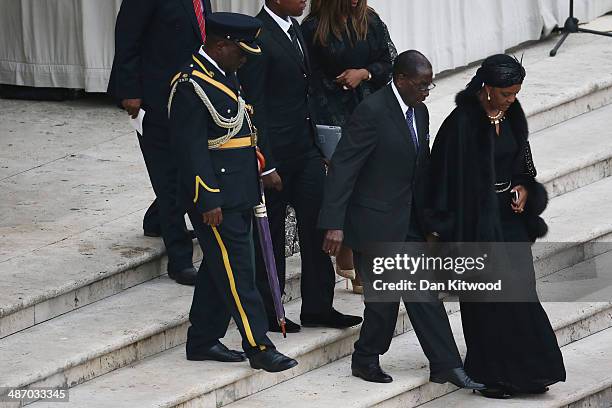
212, 61
285, 25
405, 108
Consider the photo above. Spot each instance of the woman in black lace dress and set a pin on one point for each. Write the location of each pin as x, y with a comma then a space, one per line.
352, 56
480, 160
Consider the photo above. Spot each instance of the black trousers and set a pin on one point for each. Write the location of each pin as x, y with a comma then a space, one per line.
429, 320
225, 286
303, 180
159, 159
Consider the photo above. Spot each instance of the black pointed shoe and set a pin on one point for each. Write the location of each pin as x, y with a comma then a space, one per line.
272, 361
458, 377
371, 372
186, 276
495, 393
218, 352
290, 327
333, 319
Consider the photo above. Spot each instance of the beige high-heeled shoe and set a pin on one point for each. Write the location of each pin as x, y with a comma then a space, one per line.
346, 273
357, 285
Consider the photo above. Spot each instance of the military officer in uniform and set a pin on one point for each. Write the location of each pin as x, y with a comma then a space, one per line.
215, 144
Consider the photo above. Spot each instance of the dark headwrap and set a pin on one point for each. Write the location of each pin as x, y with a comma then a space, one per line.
499, 71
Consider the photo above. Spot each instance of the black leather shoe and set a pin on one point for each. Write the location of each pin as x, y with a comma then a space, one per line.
495, 393
290, 327
185, 276
271, 361
458, 377
333, 319
541, 390
371, 372
218, 352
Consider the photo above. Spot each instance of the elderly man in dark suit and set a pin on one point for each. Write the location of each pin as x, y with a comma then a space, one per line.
374, 193
152, 39
278, 85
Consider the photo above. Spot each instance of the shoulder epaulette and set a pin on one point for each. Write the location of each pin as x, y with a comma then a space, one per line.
180, 77
204, 74
202, 67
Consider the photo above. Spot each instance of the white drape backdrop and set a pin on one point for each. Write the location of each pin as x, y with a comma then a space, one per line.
69, 43
57, 43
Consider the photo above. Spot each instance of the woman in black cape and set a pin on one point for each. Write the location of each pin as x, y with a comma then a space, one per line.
480, 163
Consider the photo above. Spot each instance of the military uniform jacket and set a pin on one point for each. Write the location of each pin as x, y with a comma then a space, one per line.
208, 178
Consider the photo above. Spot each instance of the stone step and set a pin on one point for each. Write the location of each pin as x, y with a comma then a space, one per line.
103, 336
573, 321
184, 380
124, 341
118, 258
90, 252
579, 228
333, 384
589, 281
153, 326
589, 381
575, 153
77, 271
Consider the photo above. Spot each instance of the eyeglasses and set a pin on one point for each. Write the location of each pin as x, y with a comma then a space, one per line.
421, 88
424, 88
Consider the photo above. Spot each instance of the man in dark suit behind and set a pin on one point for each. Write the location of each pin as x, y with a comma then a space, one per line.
374, 193
152, 39
277, 84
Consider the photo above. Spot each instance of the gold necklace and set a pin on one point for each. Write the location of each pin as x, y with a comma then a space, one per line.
497, 119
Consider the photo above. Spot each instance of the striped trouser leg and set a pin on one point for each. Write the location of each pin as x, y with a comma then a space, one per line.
228, 262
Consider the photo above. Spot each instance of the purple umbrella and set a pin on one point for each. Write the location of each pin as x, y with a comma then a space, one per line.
265, 239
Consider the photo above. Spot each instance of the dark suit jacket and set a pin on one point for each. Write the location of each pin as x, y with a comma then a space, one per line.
277, 84
376, 178
153, 38
210, 178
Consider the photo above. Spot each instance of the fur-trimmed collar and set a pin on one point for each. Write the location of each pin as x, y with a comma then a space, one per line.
515, 114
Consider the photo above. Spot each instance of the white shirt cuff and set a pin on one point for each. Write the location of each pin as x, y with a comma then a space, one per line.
265, 173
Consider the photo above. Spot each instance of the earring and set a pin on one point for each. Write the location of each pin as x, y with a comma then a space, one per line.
488, 96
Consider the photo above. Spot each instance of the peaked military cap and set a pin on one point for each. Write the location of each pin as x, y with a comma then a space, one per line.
240, 28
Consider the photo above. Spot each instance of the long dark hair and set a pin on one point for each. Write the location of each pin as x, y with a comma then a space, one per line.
334, 17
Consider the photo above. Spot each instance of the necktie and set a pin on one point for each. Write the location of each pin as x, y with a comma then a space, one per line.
199, 11
410, 121
295, 41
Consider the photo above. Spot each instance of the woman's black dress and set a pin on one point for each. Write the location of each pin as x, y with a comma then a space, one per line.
376, 53
511, 345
